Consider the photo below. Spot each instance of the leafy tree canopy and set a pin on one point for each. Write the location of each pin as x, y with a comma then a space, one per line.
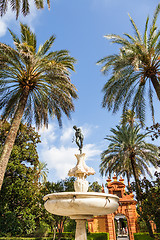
19, 196
149, 205
95, 187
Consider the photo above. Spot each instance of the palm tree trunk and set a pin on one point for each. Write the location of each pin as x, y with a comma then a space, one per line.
138, 189
156, 85
10, 139
148, 224
128, 179
138, 192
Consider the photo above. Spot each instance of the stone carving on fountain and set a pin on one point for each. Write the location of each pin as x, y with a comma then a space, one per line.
81, 171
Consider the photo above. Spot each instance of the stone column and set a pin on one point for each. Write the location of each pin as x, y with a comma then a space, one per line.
81, 233
131, 223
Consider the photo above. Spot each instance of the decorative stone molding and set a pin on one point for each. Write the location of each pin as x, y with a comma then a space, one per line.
81, 171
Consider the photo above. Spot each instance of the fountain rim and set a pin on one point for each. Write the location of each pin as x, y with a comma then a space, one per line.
67, 195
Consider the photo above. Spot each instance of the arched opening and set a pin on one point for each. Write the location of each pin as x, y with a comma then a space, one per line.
121, 227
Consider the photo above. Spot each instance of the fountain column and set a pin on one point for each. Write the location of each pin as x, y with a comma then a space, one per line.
81, 171
81, 233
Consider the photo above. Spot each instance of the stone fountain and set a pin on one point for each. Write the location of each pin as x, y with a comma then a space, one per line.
80, 205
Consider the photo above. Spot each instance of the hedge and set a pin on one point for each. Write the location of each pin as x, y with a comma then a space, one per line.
29, 238
65, 236
145, 236
36, 238
98, 236
25, 238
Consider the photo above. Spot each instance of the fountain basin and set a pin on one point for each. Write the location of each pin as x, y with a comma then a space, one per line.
79, 205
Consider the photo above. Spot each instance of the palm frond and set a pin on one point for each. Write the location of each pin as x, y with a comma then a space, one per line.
46, 46
25, 7
145, 32
155, 16
14, 36
136, 29
28, 37
3, 7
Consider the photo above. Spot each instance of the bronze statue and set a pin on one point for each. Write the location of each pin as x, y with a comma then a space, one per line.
79, 138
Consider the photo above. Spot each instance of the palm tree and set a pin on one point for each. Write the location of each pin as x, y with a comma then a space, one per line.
35, 84
135, 70
128, 153
17, 6
42, 171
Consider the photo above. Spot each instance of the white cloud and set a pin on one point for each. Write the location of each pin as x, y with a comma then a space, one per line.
47, 135
91, 151
67, 134
3, 28
60, 159
58, 151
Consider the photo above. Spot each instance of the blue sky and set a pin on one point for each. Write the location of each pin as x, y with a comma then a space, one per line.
79, 26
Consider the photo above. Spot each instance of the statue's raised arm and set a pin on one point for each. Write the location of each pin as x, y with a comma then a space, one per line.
79, 138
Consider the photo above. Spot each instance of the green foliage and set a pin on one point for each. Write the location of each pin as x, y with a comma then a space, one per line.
70, 226
142, 225
149, 205
145, 236
42, 230
95, 187
19, 197
24, 238
68, 235
98, 236
65, 236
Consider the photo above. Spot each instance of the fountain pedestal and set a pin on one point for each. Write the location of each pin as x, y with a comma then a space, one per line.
81, 233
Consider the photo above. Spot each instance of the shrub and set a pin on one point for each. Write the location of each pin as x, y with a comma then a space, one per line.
145, 236
65, 236
98, 236
25, 238
42, 231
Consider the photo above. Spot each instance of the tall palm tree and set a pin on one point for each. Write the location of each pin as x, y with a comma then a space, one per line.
23, 6
35, 84
128, 153
135, 70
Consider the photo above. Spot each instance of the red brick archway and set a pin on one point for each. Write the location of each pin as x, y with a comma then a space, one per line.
127, 207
